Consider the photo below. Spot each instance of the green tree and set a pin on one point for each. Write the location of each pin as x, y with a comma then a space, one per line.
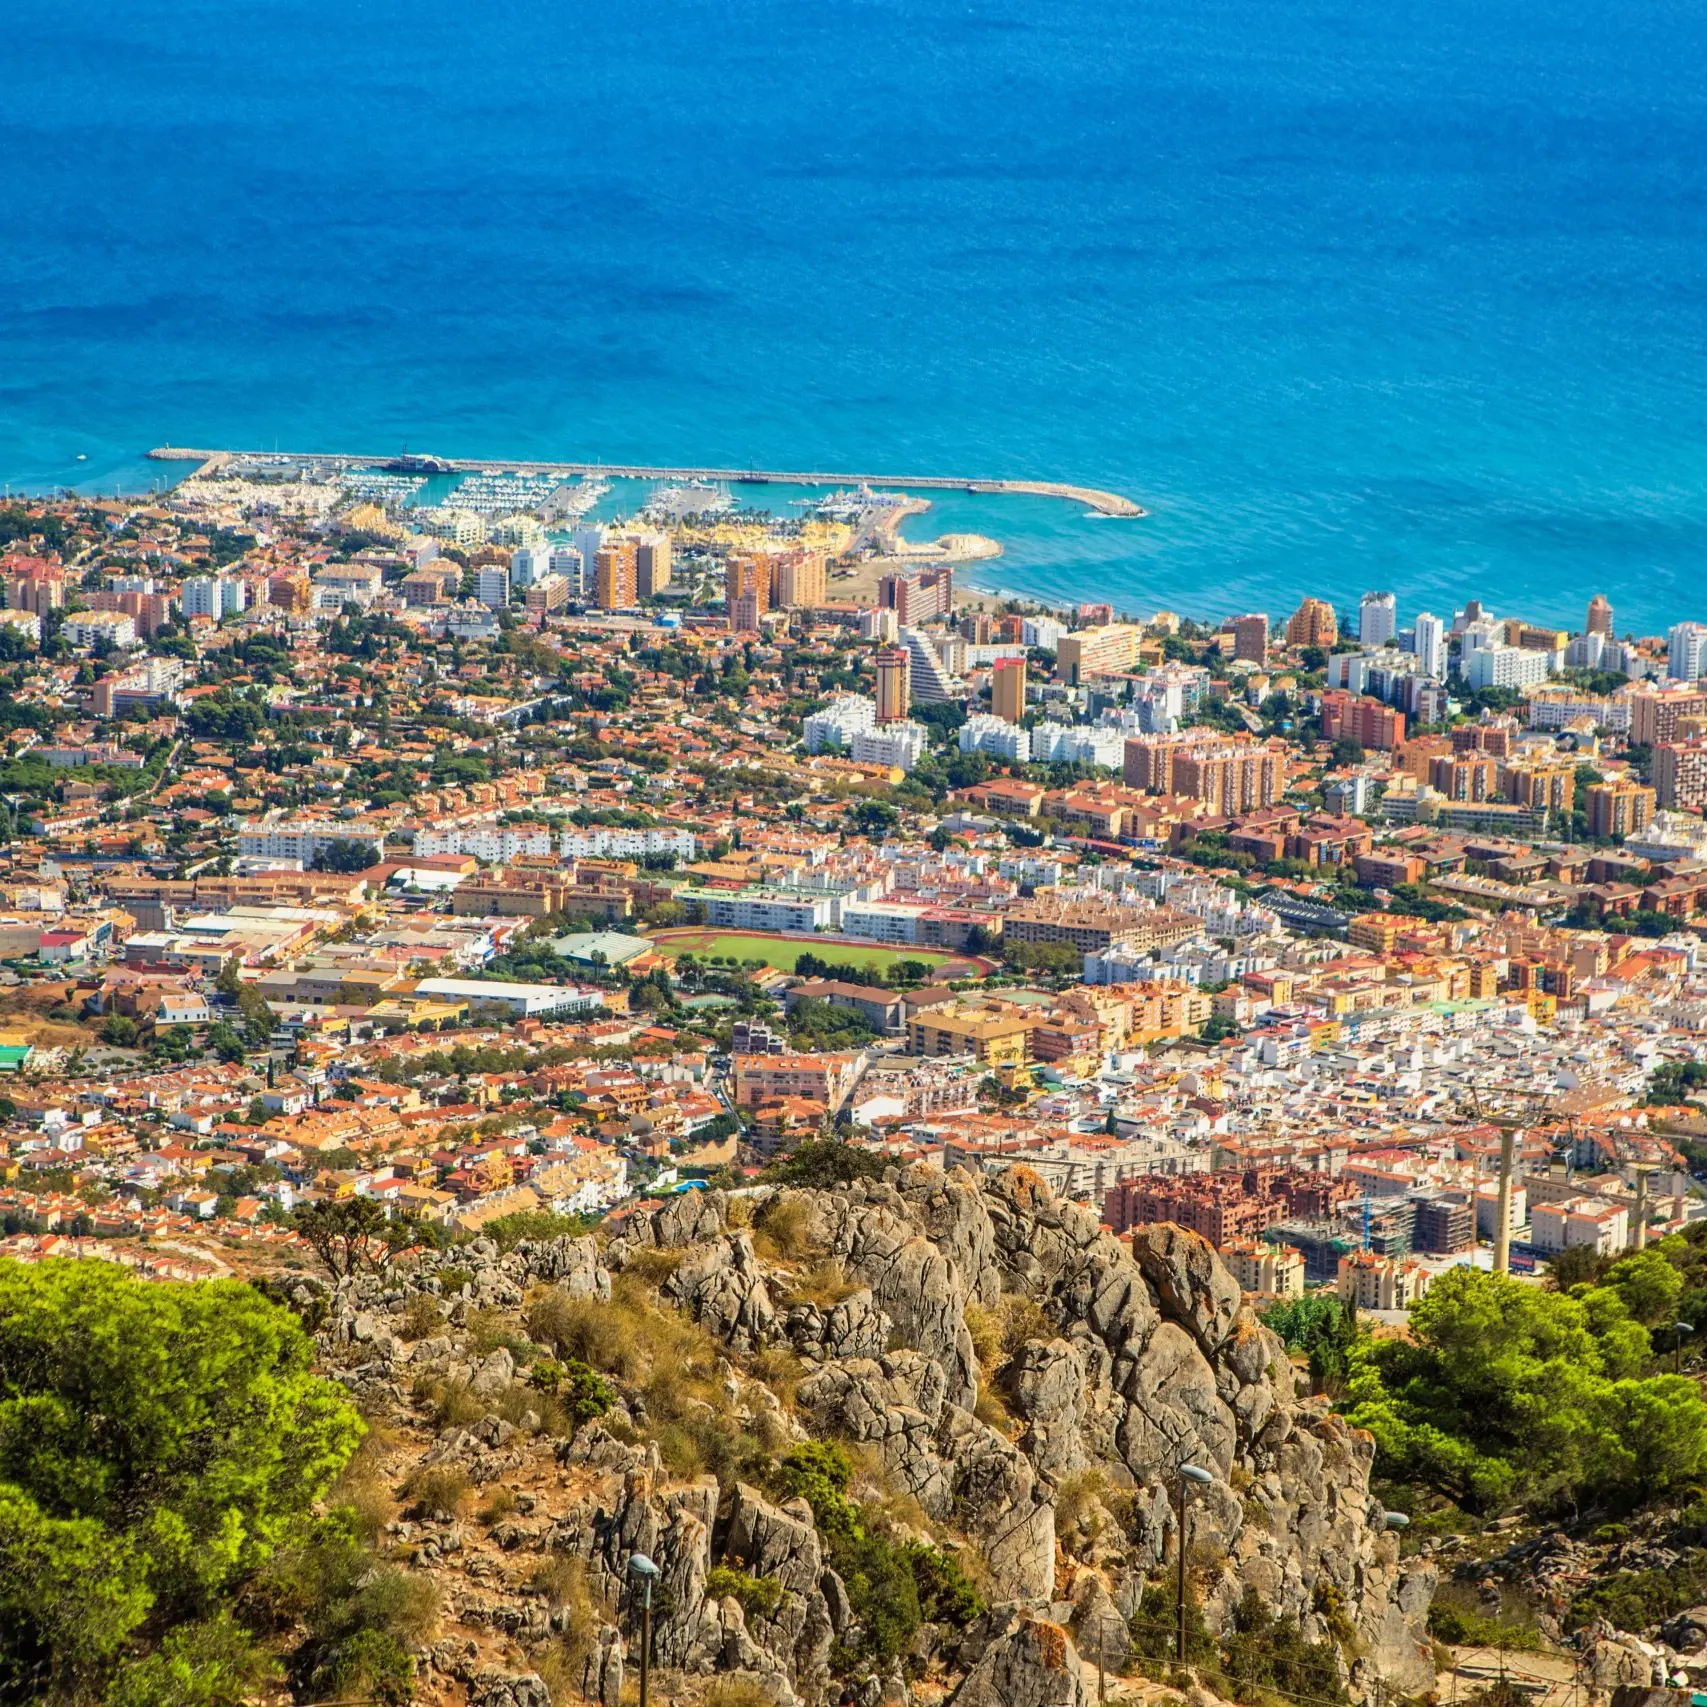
157, 1443
344, 855
1510, 1394
119, 1030
352, 1235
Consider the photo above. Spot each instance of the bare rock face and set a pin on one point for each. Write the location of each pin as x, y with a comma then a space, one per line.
1033, 1664
572, 1264
1148, 1359
723, 1286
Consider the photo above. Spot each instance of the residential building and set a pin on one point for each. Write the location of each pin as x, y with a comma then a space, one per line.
1312, 624
1500, 666
306, 839
1656, 708
1601, 1225
1250, 638
1431, 646
1680, 774
992, 1039
1377, 619
1686, 651
1007, 689
929, 680
827, 1078
1374, 1282
492, 586
550, 593
1366, 721
1266, 1271
799, 580
616, 576
1618, 809
997, 737
1109, 650
899, 745
1599, 616
837, 723
918, 595
894, 684
652, 564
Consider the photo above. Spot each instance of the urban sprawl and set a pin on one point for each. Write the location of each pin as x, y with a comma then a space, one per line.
472, 857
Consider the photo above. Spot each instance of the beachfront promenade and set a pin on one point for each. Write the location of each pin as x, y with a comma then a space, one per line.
1104, 503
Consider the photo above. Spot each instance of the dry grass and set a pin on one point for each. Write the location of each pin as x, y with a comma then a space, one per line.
500, 1502
825, 1284
780, 1229
362, 1486
423, 1318
736, 1692
652, 1267
439, 1491
780, 1370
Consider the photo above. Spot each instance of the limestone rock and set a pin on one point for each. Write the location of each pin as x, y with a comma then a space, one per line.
1034, 1664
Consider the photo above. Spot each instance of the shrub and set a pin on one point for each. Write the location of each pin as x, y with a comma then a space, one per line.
423, 1318
1634, 1600
759, 1596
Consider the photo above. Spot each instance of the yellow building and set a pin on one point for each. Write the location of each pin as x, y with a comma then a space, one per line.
616, 575
994, 1040
1007, 689
1313, 624
1096, 652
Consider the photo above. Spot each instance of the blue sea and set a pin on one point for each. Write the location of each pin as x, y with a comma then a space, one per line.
1386, 294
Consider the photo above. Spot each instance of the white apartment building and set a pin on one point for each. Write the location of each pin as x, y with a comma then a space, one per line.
1078, 744
492, 587
306, 838
529, 563
600, 842
1559, 707
1377, 618
1431, 646
998, 738
1043, 632
787, 914
1501, 666
897, 744
217, 596
894, 922
1592, 1221
90, 628
932, 683
1686, 651
836, 724
492, 842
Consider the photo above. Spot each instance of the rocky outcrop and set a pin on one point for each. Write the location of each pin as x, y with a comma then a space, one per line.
1139, 1357
1031, 1664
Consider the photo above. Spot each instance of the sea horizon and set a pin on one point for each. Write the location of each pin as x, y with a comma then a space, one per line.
1345, 301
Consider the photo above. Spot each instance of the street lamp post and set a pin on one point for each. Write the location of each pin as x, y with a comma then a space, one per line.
1195, 1475
643, 1568
1679, 1329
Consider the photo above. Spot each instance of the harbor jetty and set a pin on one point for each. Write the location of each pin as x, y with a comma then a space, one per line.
1093, 498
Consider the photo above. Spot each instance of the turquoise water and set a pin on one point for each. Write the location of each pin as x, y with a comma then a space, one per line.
1347, 296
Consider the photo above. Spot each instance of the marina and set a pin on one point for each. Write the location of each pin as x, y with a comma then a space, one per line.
322, 464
